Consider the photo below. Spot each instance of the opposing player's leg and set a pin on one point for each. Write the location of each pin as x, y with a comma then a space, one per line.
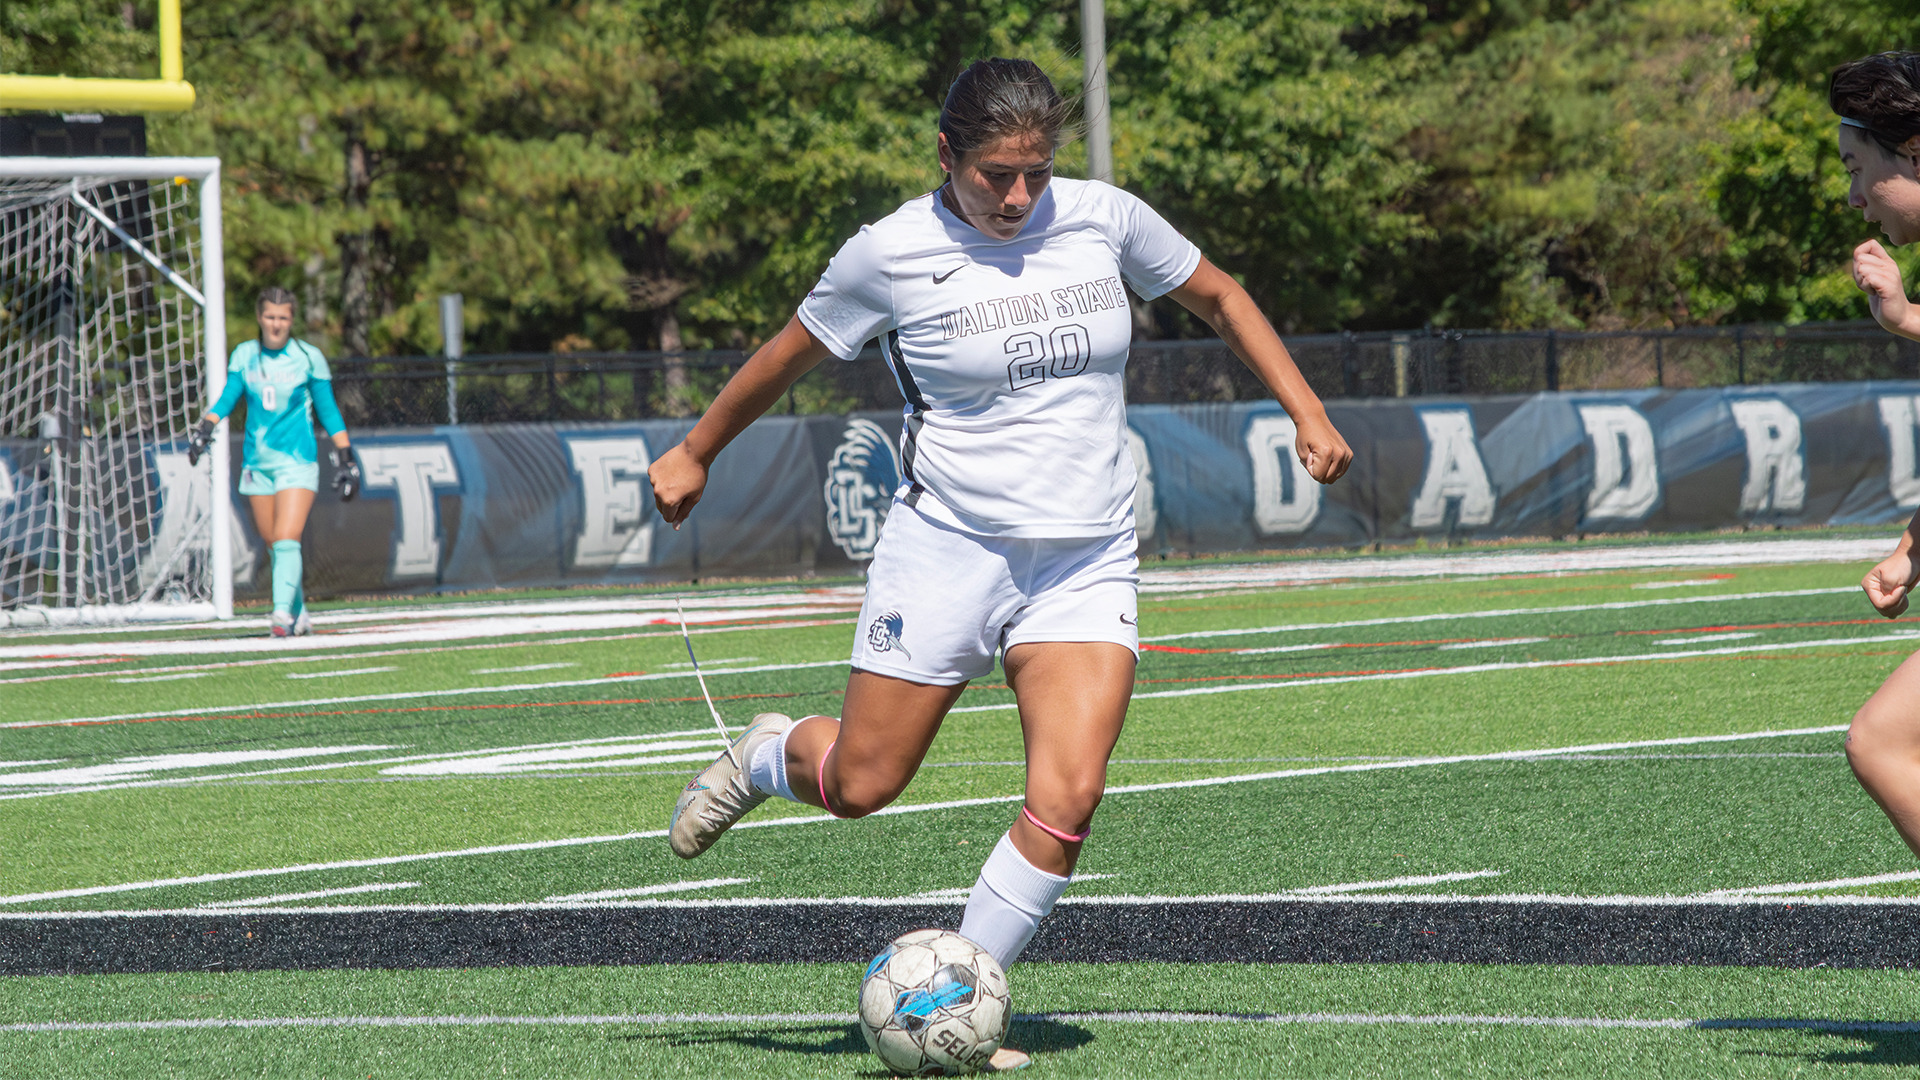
1883, 747
281, 528
850, 767
1073, 700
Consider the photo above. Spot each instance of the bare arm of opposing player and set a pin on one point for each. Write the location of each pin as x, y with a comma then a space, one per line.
679, 476
1214, 296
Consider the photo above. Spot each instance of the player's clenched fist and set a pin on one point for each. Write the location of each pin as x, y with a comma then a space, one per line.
1325, 454
678, 481
1888, 584
1879, 277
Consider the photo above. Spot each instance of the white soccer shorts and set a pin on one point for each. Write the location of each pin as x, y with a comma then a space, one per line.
941, 603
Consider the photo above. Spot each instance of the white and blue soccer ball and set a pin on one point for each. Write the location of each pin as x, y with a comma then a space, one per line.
934, 1004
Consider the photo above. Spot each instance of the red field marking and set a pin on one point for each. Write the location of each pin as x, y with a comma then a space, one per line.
1338, 645
436, 708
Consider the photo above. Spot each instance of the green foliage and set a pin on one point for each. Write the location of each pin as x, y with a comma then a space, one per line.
606, 174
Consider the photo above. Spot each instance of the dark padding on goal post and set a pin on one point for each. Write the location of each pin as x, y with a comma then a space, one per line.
1773, 935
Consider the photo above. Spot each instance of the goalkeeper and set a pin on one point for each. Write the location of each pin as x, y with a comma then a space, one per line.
286, 383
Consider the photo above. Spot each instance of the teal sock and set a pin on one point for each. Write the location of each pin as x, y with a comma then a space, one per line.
300, 593
287, 569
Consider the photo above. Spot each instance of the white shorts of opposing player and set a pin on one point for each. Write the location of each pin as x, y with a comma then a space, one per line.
941, 603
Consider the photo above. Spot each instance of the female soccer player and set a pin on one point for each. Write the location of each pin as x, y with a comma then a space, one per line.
1878, 101
999, 303
286, 383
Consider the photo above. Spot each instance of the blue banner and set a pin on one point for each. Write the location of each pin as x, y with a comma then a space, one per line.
465, 507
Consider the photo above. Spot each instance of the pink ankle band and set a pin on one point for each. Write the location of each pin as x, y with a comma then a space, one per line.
1063, 837
821, 773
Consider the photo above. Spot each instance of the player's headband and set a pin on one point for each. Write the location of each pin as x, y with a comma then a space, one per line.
1848, 121
1881, 137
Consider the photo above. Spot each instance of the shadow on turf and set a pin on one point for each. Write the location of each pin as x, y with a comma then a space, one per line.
1884, 1047
1033, 1036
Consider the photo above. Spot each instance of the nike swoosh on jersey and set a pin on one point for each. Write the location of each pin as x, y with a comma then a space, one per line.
939, 278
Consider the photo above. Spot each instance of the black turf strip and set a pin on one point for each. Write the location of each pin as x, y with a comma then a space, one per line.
1774, 935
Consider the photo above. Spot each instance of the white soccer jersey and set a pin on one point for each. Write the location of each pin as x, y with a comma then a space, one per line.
1010, 353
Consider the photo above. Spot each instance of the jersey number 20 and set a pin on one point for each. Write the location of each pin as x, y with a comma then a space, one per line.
1065, 352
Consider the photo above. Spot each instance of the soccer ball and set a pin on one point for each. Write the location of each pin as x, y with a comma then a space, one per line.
934, 1004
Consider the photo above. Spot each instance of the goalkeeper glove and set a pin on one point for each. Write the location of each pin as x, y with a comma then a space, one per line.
346, 473
198, 441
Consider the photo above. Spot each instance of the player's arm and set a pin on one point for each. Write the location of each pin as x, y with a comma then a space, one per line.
346, 471
1879, 277
202, 435
679, 476
1214, 296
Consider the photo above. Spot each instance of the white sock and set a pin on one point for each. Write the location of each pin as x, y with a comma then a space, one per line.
1008, 902
767, 772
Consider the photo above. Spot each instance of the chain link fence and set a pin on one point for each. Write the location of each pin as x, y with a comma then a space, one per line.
418, 390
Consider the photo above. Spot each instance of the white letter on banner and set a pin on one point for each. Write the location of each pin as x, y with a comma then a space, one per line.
1897, 414
1146, 517
615, 529
1285, 498
1454, 471
1626, 472
412, 471
1776, 478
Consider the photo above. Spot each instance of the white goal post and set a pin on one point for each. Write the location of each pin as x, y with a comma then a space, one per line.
112, 343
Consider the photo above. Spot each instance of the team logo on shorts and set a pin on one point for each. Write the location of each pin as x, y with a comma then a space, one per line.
861, 478
884, 634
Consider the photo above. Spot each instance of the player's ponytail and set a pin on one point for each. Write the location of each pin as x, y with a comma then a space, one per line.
1880, 95
997, 98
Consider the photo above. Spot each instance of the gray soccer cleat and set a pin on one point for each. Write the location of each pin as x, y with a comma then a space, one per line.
302, 625
281, 625
722, 793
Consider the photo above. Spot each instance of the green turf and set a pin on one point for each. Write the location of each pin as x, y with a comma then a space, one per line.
1636, 821
1063, 1047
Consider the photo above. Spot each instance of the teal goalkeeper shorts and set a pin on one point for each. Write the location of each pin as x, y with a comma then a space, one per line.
267, 479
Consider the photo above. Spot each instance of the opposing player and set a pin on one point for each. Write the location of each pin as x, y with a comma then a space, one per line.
1878, 101
998, 300
286, 383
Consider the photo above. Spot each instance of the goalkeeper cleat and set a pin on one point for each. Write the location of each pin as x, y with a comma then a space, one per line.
281, 624
722, 793
302, 625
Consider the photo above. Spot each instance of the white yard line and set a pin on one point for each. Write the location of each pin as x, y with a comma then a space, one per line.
416, 694
521, 668
1598, 1023
282, 898
650, 890
168, 678
178, 781
339, 674
441, 648
1502, 613
1816, 886
1481, 669
450, 630
1394, 883
916, 808
1570, 559
1469, 669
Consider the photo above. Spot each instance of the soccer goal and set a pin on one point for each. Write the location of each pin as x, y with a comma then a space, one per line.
112, 342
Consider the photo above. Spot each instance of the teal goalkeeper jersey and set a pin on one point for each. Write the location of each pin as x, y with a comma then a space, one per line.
282, 389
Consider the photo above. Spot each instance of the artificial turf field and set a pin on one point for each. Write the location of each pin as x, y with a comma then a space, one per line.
427, 841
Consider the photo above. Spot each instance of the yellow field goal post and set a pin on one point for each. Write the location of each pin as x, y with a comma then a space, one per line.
60, 93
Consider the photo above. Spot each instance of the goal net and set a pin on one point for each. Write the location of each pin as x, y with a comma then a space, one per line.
112, 342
